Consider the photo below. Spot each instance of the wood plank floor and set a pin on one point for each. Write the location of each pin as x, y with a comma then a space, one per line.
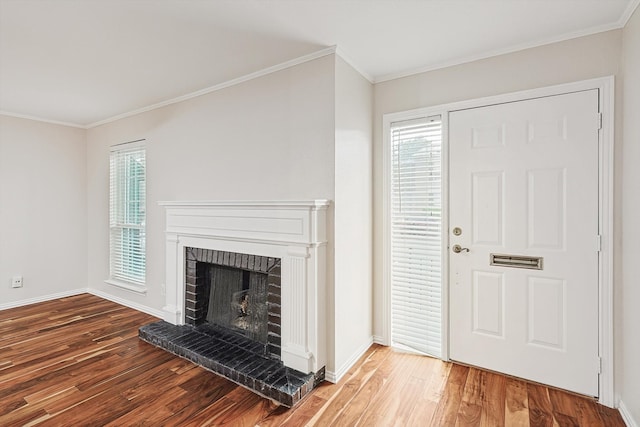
77, 361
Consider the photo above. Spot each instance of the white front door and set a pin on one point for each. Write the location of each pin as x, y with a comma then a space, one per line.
524, 183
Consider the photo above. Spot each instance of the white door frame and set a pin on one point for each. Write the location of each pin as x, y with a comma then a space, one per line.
605, 85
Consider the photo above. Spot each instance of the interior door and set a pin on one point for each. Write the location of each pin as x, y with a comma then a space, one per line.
524, 213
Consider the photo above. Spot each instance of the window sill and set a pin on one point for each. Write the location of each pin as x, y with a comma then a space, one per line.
139, 289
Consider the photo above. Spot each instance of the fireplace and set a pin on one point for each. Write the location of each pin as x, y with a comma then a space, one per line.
245, 292
237, 292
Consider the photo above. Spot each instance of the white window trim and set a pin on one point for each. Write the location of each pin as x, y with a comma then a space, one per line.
139, 289
605, 206
122, 284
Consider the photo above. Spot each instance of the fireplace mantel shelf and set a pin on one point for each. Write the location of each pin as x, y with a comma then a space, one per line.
319, 203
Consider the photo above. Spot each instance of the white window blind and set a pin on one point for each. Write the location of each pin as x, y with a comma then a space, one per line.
127, 213
416, 234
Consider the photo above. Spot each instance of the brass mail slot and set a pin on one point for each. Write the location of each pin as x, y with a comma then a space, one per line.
517, 261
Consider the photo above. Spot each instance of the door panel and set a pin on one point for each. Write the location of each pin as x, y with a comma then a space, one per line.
487, 209
546, 219
524, 181
546, 312
488, 303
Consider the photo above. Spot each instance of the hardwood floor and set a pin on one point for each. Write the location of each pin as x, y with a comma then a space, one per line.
77, 361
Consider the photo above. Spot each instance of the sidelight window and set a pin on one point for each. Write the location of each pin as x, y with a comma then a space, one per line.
416, 234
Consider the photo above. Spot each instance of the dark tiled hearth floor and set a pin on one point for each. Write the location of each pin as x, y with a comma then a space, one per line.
234, 357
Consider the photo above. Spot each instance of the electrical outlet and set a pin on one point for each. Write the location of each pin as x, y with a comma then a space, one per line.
16, 282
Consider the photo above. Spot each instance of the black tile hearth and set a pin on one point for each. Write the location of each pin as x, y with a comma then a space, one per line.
234, 357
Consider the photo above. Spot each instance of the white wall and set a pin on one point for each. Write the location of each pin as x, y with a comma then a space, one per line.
352, 300
43, 226
629, 373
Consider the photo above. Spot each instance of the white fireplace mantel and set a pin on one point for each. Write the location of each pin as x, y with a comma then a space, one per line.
294, 231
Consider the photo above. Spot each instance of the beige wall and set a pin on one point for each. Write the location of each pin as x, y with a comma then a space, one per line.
573, 60
270, 138
300, 133
578, 59
628, 384
352, 300
43, 218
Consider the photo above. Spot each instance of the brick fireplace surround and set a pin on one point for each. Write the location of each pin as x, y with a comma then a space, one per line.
230, 234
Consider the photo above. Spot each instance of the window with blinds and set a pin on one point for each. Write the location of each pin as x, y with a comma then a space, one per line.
127, 214
416, 235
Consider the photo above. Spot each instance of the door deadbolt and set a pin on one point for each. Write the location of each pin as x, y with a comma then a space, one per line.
457, 249
457, 231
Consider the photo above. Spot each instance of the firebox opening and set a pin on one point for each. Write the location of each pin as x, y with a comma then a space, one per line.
239, 293
238, 301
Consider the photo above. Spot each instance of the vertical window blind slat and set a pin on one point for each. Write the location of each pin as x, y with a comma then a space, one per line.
416, 234
127, 213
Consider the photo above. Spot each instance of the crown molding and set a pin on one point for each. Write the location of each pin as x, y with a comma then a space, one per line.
624, 18
265, 71
40, 119
511, 49
346, 58
626, 15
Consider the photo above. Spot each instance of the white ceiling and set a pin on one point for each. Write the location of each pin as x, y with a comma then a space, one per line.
85, 61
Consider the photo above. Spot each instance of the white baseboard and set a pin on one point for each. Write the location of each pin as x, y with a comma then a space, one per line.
143, 308
29, 301
379, 340
334, 377
626, 415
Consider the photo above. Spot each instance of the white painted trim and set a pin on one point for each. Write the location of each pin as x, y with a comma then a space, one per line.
44, 298
139, 307
248, 203
334, 377
260, 73
596, 83
251, 76
633, 5
605, 322
295, 232
386, 230
626, 415
347, 58
104, 295
503, 51
40, 119
131, 287
606, 261
128, 146
444, 297
378, 339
